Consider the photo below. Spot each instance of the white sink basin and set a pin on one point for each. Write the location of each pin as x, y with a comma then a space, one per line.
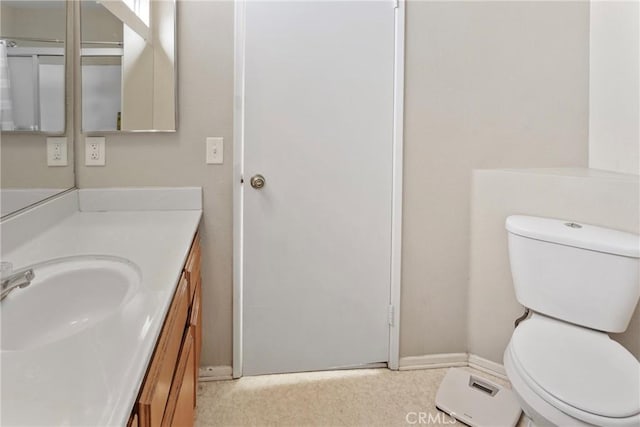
67, 296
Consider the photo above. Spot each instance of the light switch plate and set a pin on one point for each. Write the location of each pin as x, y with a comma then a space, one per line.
94, 151
57, 151
215, 150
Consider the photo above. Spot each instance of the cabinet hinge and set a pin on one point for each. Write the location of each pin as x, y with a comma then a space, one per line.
396, 4
391, 313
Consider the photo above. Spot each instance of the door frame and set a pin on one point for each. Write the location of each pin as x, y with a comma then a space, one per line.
238, 169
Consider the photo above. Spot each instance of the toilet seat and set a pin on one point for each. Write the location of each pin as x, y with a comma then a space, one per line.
581, 372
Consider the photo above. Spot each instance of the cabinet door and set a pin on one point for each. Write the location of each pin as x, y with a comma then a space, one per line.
180, 405
155, 392
133, 421
196, 324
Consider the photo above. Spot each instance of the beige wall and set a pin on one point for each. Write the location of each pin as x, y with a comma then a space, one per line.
582, 195
24, 164
488, 84
614, 87
205, 67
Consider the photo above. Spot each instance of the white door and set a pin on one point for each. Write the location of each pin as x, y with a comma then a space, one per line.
318, 125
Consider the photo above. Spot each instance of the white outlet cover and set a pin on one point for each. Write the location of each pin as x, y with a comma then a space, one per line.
94, 151
57, 151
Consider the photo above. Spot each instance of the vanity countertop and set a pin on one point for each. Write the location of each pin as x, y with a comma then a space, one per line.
93, 377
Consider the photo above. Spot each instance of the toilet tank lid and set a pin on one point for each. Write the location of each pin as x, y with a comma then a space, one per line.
579, 235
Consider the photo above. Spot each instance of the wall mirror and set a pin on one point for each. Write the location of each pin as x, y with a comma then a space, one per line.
34, 101
128, 65
32, 57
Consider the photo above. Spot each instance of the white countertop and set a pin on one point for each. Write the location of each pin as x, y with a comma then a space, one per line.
93, 378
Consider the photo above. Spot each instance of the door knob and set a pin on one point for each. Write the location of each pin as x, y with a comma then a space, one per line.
257, 181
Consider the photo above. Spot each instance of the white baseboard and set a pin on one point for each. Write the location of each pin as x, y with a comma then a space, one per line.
450, 360
215, 373
431, 361
485, 365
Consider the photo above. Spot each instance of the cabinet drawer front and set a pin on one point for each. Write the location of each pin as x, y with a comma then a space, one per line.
192, 266
155, 391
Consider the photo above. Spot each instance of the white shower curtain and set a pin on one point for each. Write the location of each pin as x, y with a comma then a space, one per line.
6, 106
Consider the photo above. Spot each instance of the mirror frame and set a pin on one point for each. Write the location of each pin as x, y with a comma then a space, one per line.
77, 46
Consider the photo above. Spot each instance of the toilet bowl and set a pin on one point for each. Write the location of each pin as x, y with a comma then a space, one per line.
567, 375
580, 282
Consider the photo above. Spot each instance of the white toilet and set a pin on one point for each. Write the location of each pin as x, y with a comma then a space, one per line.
580, 282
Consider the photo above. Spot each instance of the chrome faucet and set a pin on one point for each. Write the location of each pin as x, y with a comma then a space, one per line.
21, 279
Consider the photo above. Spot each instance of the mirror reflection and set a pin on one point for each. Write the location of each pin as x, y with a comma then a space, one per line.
128, 65
33, 103
32, 71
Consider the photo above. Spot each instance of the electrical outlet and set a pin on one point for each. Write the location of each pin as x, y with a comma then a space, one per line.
215, 150
57, 151
94, 151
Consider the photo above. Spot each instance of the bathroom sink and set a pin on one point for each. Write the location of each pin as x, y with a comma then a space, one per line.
67, 296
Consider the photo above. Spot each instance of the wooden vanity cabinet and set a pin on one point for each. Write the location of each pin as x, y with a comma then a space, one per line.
168, 393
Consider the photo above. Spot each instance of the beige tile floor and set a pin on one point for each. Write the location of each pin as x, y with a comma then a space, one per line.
366, 397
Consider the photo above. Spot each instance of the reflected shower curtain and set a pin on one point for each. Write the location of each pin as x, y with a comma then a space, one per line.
6, 106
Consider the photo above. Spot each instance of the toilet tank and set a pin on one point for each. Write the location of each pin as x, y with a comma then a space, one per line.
578, 273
